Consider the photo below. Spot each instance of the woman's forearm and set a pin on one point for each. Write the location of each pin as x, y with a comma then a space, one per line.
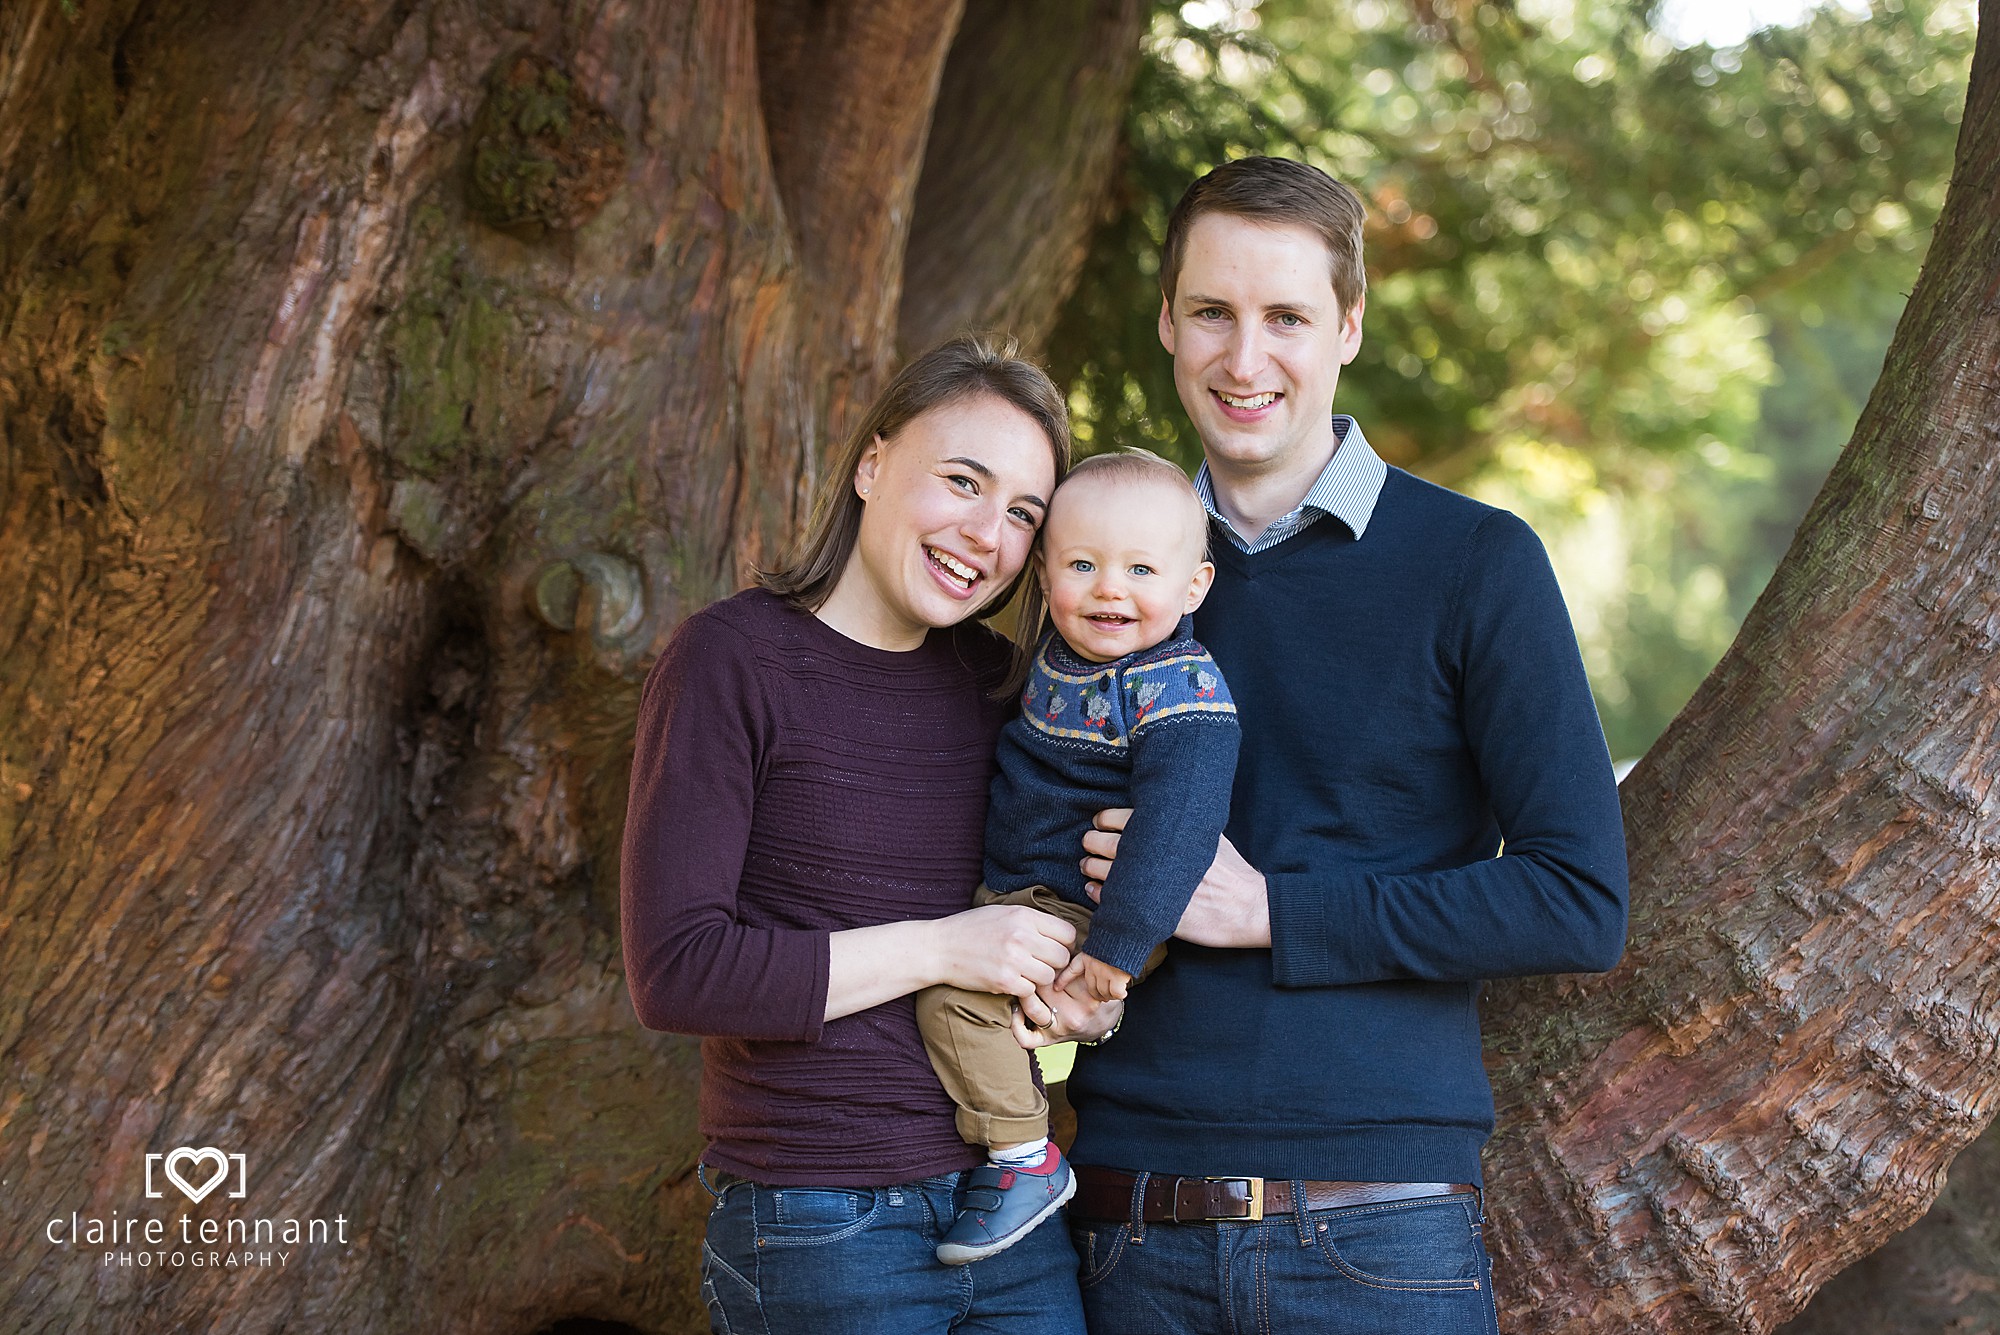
1001, 948
867, 966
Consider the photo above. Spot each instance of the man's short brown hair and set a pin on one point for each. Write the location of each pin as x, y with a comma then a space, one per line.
1275, 190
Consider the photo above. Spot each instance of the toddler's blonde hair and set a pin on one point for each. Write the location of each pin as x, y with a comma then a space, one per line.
1140, 465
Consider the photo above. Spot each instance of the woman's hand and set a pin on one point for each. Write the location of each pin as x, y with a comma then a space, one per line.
1073, 1017
1005, 948
1231, 907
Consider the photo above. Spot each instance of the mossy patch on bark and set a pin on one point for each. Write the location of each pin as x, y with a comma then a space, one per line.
464, 400
543, 157
454, 347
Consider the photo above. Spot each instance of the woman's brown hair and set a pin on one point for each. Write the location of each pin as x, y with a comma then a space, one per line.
959, 368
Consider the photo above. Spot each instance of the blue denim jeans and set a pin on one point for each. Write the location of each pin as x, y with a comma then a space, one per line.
861, 1261
1396, 1268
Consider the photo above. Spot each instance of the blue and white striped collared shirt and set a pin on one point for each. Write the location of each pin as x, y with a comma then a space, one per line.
1347, 488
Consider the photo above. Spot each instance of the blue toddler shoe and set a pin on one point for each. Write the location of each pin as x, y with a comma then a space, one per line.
1003, 1205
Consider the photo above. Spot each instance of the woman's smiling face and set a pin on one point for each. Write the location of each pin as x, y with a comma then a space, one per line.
951, 505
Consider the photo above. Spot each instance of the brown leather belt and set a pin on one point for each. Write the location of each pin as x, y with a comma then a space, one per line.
1106, 1193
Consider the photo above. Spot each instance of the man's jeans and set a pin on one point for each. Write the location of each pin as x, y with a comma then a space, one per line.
1396, 1268
861, 1261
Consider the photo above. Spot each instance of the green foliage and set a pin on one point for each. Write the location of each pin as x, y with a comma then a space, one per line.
1571, 220
1661, 554
1594, 260
1679, 546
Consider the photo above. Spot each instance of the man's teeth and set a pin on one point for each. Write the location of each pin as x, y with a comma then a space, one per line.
1255, 401
956, 567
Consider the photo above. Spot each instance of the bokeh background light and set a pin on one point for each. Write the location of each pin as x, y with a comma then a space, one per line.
1633, 268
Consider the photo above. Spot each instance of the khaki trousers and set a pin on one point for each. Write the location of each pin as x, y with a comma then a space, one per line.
970, 1038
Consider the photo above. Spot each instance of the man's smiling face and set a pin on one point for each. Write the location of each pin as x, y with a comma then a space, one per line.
1258, 339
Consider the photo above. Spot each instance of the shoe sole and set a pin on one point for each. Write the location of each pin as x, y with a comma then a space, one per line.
958, 1253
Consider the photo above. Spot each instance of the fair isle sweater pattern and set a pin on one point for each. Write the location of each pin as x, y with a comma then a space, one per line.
1155, 731
1071, 699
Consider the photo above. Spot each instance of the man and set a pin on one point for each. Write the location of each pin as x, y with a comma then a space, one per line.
1285, 1132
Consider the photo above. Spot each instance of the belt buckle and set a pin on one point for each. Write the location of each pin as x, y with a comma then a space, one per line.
1255, 1186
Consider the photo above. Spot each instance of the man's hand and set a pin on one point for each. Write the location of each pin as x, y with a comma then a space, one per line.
1104, 982
1230, 908
1077, 1018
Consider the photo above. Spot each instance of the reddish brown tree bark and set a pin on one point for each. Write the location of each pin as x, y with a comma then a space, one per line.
1940, 1275
379, 384
1001, 230
1807, 1026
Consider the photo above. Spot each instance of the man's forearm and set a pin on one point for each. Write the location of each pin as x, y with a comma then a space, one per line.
1508, 916
1231, 908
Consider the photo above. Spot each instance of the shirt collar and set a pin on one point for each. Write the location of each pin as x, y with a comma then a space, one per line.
1347, 488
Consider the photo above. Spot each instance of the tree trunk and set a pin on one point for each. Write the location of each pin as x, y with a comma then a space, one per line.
1001, 231
379, 384
1807, 1026
1940, 1275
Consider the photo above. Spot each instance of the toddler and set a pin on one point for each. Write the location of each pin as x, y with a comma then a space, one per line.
1122, 709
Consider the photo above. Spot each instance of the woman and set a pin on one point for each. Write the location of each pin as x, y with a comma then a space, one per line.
808, 800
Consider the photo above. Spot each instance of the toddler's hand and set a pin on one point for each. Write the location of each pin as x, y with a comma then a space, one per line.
1100, 980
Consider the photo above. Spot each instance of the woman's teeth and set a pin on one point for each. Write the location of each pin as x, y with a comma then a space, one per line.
957, 569
1252, 403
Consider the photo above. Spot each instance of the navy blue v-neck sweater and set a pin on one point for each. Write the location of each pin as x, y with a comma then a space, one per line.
1408, 700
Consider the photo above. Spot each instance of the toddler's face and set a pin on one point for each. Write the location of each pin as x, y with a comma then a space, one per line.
1121, 563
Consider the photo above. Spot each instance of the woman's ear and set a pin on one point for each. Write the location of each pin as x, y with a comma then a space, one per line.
869, 466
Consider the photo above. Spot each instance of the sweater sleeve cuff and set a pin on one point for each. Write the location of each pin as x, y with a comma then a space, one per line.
1313, 944
1121, 950
813, 1021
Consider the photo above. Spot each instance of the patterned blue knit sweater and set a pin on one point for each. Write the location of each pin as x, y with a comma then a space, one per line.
1155, 731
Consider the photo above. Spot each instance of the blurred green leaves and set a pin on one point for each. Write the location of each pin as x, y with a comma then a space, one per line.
1592, 258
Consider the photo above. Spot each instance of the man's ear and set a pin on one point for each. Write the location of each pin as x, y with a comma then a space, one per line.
1204, 575
1350, 330
1167, 326
869, 465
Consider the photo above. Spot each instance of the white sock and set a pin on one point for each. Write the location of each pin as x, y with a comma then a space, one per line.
1021, 1156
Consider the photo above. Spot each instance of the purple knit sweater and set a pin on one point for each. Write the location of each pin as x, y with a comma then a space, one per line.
789, 782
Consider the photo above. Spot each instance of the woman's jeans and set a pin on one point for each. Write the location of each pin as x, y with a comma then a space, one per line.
862, 1261
1395, 1268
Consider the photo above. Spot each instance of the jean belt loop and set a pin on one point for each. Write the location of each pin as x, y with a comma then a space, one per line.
1139, 1209
1479, 1199
701, 1174
1299, 1212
